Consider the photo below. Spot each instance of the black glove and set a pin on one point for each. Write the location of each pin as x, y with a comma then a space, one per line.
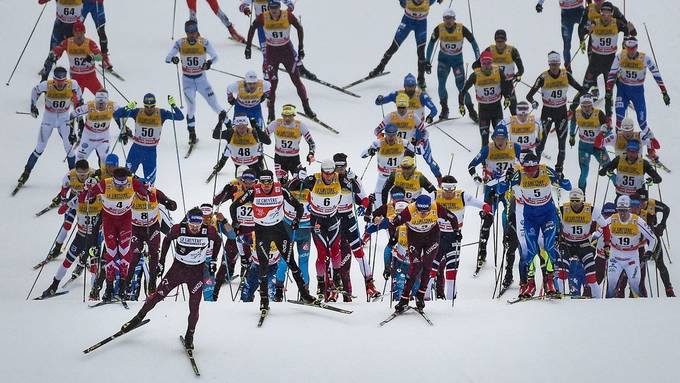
301, 53
212, 267
207, 64
572, 141
161, 267
248, 52
666, 98
602, 172
428, 67
647, 256
379, 100
509, 173
386, 274
81, 126
372, 151
89, 58
123, 137
171, 205
294, 224
539, 7
175, 60
221, 117
34, 111
429, 119
371, 198
659, 229
56, 200
72, 137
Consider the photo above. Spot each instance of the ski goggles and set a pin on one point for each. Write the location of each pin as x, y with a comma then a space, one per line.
266, 180
206, 210
248, 177
120, 182
448, 186
195, 219
288, 110
241, 120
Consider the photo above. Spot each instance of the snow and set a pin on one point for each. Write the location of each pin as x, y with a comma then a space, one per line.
478, 341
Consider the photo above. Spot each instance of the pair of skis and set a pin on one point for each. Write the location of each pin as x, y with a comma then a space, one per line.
396, 314
317, 304
112, 301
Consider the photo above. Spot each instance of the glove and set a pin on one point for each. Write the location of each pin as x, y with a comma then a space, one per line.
361, 211
371, 198
379, 100
301, 53
89, 58
483, 214
72, 137
56, 200
62, 208
509, 173
81, 125
89, 183
171, 205
666, 98
174, 60
386, 274
207, 64
428, 67
350, 175
539, 7
245, 9
534, 104
310, 157
659, 229
221, 117
582, 46
372, 151
572, 140
517, 78
294, 224
647, 256
159, 271
34, 111
506, 103
123, 137
477, 179
172, 102
461, 110
302, 173
649, 181
248, 52
290, 6
131, 105
570, 114
486, 209
212, 267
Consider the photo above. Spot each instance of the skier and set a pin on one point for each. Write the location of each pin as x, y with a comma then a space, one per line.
490, 85
414, 19
244, 144
251, 280
421, 218
390, 150
94, 131
454, 200
619, 138
351, 193
82, 54
395, 254
590, 16
247, 96
117, 194
192, 241
267, 198
148, 124
87, 235
197, 56
524, 129
628, 73
624, 237
412, 131
418, 99
276, 25
508, 60
570, 15
630, 170
554, 84
497, 159
287, 133
146, 230
649, 208
590, 122
303, 233
579, 220
95, 8
408, 178
68, 12
215, 6
532, 187
604, 36
60, 95
450, 35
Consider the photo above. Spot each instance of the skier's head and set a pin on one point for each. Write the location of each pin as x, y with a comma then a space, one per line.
59, 76
606, 11
194, 220
408, 166
500, 135
635, 204
400, 206
523, 111
206, 213
608, 209
554, 61
449, 184
101, 98
120, 177
288, 112
402, 102
246, 177
191, 29
111, 162
643, 195
449, 17
340, 161
275, 8
266, 180
500, 37
82, 170
149, 102
328, 173
530, 164
586, 104
627, 127
397, 193
423, 204
250, 80
576, 198
78, 31
390, 133
623, 207
486, 61
241, 124
632, 150
410, 84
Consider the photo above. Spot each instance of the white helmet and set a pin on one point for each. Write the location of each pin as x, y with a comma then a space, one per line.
576, 195
554, 58
623, 202
627, 124
241, 120
449, 13
251, 77
102, 95
328, 166
400, 206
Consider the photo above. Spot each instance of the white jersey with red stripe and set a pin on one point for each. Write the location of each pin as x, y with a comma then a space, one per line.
268, 207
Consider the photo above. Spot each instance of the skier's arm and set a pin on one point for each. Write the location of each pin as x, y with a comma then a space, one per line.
292, 201
304, 130
470, 200
243, 199
665, 211
623, 27
298, 27
261, 136
212, 54
140, 188
518, 61
479, 158
37, 91
447, 215
613, 73
609, 166
167, 242
506, 85
381, 126
223, 134
173, 51
651, 171
176, 114
430, 45
216, 240
375, 145
647, 232
561, 182
426, 184
387, 187
124, 112
654, 70
165, 201
538, 84
468, 84
471, 38
427, 101
581, 90
226, 194
391, 97
400, 219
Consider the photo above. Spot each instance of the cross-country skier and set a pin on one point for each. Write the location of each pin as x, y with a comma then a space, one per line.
252, 278
570, 15
649, 208
389, 150
287, 134
60, 95
148, 125
630, 169
197, 56
407, 177
247, 96
414, 19
276, 25
193, 239
524, 129
67, 13
450, 58
95, 8
590, 122
94, 130
418, 99
215, 6
244, 144
619, 138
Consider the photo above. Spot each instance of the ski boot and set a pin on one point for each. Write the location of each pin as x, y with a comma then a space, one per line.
278, 295
78, 270
481, 256
364, 238
549, 286
305, 73
122, 290
192, 137
24, 177
669, 292
51, 290
472, 113
94, 294
331, 294
444, 114
420, 300
306, 297
308, 109
220, 164
401, 306
371, 291
527, 289
507, 280
56, 250
106, 61
320, 287
378, 69
264, 303
131, 324
235, 35
108, 292
189, 340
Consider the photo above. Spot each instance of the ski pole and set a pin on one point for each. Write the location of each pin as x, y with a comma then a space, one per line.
179, 168
651, 46
366, 168
26, 113
26, 45
174, 12
227, 73
450, 164
114, 87
451, 137
472, 28
179, 88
